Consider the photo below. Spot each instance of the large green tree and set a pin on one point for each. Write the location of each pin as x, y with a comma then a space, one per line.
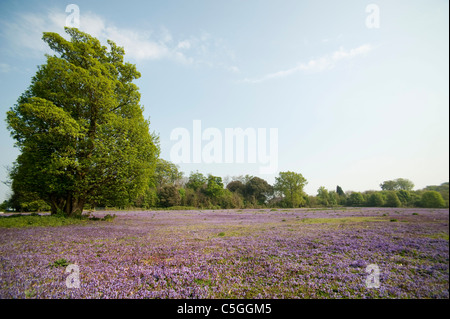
290, 185
397, 184
80, 127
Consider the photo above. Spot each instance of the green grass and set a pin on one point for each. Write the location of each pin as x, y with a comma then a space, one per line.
19, 221
342, 220
438, 236
35, 220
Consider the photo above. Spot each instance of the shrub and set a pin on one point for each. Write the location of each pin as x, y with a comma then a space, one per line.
392, 200
432, 199
376, 200
59, 263
355, 199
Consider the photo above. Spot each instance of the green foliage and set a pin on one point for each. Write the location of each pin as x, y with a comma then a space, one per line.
166, 173
333, 198
398, 184
230, 200
339, 191
236, 187
404, 197
258, 191
443, 189
169, 196
80, 128
190, 198
214, 187
109, 218
196, 181
148, 199
392, 199
19, 221
323, 196
355, 199
59, 263
4, 206
375, 200
432, 199
290, 185
311, 201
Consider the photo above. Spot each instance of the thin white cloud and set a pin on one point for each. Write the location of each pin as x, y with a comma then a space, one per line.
24, 36
316, 65
185, 44
4, 68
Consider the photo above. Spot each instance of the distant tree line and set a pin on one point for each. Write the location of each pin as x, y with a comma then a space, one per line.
169, 188
389, 196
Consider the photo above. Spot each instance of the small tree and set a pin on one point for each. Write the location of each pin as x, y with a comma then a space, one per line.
291, 184
323, 196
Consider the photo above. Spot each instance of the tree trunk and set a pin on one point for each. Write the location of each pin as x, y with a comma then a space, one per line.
56, 204
69, 205
74, 205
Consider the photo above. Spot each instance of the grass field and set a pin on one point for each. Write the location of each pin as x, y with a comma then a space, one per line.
259, 253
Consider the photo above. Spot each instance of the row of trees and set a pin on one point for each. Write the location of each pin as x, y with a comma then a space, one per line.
431, 196
169, 187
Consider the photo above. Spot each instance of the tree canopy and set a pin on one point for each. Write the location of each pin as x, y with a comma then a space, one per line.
80, 128
290, 185
397, 184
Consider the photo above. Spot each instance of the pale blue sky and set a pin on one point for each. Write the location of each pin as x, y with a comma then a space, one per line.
353, 105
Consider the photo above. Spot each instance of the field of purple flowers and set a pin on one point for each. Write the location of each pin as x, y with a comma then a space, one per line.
294, 253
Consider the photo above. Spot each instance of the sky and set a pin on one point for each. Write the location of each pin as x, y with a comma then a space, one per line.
357, 91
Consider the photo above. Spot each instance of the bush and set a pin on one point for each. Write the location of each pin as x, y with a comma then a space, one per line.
432, 199
376, 200
59, 263
355, 199
392, 200
169, 196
